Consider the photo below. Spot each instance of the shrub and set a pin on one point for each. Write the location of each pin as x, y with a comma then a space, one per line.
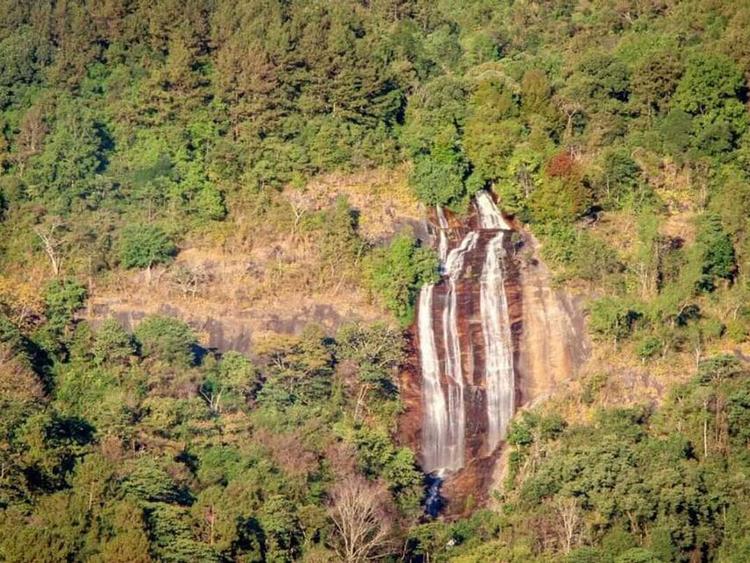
142, 246
715, 251
649, 347
396, 273
621, 177
166, 339
719, 368
737, 331
613, 318
112, 344
62, 299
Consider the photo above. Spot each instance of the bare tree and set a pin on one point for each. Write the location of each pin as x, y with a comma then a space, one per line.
31, 134
299, 202
570, 109
569, 517
360, 513
190, 280
52, 242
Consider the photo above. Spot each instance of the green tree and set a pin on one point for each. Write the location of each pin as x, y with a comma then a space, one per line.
166, 339
438, 177
715, 252
231, 383
710, 91
73, 155
298, 369
613, 318
397, 272
113, 344
654, 82
621, 179
281, 529
143, 246
491, 133
62, 299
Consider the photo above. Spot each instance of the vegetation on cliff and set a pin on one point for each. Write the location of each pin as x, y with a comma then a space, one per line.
128, 130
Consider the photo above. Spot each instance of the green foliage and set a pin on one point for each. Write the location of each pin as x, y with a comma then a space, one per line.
378, 456
118, 117
709, 89
74, 154
560, 200
621, 180
649, 346
397, 272
339, 242
578, 254
432, 137
112, 345
719, 368
438, 178
676, 130
232, 382
299, 369
143, 246
282, 535
491, 131
98, 454
603, 77
716, 253
378, 350
62, 299
649, 484
655, 81
148, 481
167, 340
613, 318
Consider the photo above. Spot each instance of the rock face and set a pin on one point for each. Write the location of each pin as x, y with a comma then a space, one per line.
553, 343
491, 337
222, 330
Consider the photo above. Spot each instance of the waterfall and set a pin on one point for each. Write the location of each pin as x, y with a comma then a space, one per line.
498, 372
454, 458
443, 235
444, 414
435, 425
489, 215
444, 383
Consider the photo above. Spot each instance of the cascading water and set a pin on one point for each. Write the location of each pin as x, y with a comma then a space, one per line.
435, 428
499, 375
442, 235
454, 451
444, 424
489, 215
444, 383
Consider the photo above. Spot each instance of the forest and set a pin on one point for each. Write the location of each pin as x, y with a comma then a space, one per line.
616, 132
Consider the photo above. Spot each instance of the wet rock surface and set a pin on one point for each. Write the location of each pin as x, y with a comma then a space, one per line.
548, 346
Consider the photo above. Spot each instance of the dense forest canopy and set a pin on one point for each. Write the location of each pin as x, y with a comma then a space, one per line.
617, 131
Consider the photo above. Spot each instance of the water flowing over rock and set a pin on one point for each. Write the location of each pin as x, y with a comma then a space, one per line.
444, 380
491, 336
499, 375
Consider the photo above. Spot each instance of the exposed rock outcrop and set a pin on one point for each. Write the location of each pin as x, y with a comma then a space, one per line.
548, 345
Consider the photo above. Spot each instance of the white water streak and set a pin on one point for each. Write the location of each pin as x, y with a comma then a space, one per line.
489, 216
443, 235
498, 369
443, 392
452, 345
435, 424
498, 372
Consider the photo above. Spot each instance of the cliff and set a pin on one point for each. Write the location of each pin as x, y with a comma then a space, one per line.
259, 277
548, 344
